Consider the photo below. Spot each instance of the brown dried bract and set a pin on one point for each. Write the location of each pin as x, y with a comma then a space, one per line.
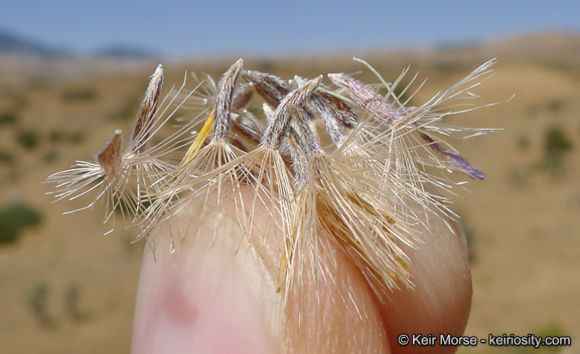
110, 156
144, 121
278, 126
223, 104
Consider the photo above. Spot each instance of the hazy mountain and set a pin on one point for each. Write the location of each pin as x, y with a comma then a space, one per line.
125, 51
15, 44
11, 43
549, 47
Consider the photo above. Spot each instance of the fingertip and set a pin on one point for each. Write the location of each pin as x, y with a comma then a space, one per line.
441, 300
340, 312
208, 297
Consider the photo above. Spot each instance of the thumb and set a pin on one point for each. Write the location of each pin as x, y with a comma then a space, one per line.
218, 295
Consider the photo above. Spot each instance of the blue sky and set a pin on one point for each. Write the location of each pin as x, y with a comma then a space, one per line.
189, 28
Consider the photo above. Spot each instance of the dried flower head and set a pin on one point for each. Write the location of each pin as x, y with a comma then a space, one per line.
347, 165
125, 175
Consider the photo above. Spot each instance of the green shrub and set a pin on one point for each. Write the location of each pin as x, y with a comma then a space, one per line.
8, 117
56, 136
50, 156
76, 138
552, 329
38, 304
72, 299
79, 94
470, 237
6, 157
556, 142
28, 139
14, 218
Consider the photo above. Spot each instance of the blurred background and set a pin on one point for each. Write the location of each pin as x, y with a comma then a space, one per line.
73, 72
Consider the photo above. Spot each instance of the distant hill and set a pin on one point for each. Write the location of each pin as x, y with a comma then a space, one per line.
550, 47
125, 51
15, 44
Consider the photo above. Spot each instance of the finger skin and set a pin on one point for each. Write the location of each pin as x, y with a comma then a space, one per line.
217, 296
205, 298
441, 300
